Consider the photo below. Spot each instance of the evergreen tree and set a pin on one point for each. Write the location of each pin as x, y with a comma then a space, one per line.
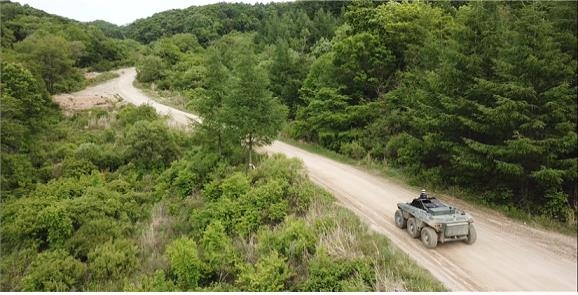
250, 111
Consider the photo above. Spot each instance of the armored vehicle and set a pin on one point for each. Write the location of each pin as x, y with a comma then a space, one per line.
434, 221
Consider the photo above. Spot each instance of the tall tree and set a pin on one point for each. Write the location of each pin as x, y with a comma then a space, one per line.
50, 57
251, 111
288, 69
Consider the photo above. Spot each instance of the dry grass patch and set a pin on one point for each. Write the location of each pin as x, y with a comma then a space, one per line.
155, 237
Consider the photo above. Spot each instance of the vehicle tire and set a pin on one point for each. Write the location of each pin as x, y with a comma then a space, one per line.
412, 228
472, 236
429, 237
399, 220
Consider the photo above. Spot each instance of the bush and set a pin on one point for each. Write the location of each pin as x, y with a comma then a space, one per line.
92, 234
155, 283
131, 114
268, 199
56, 222
17, 171
185, 263
150, 69
270, 274
150, 145
235, 186
294, 240
218, 253
72, 167
327, 275
54, 271
13, 267
113, 260
280, 167
557, 207
226, 211
353, 149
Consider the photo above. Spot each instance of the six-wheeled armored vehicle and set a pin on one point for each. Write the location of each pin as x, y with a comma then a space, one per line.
434, 221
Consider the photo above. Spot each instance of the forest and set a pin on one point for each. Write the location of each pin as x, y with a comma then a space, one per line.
474, 95
477, 95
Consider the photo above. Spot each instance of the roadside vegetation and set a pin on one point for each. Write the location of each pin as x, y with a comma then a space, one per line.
461, 96
116, 200
101, 78
56, 50
472, 97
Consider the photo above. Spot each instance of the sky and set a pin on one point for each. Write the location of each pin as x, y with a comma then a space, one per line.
119, 12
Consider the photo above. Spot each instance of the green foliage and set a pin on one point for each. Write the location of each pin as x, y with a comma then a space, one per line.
451, 95
113, 260
24, 106
218, 253
287, 72
254, 115
54, 48
151, 68
294, 240
353, 150
13, 267
327, 275
270, 274
155, 283
50, 57
57, 224
185, 264
150, 145
54, 271
92, 234
131, 114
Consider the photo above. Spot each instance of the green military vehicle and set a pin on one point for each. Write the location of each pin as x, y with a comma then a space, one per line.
434, 221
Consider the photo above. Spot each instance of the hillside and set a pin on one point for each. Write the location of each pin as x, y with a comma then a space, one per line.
475, 98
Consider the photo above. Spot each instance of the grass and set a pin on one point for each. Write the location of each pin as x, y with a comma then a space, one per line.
170, 98
101, 78
397, 175
344, 236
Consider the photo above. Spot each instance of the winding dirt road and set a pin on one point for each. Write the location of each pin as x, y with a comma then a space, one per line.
508, 256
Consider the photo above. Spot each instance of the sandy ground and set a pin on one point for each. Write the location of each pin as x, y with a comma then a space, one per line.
508, 256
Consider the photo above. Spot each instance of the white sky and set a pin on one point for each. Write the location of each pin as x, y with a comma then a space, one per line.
120, 12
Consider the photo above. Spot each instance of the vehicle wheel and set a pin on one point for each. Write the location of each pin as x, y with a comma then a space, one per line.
412, 228
472, 236
399, 220
429, 237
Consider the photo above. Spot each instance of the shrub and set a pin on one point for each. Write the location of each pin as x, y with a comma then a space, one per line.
270, 274
13, 267
150, 145
54, 270
184, 262
235, 186
113, 260
17, 171
281, 168
294, 240
225, 210
131, 114
327, 275
218, 253
155, 283
353, 149
92, 234
268, 199
56, 223
72, 167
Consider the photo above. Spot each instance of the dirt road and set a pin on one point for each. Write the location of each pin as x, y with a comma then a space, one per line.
508, 256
